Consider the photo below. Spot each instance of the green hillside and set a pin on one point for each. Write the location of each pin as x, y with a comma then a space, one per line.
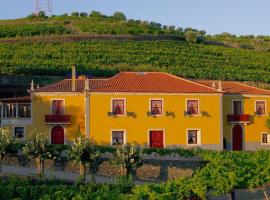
40, 46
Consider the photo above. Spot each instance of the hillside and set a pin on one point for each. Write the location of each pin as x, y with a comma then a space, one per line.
106, 45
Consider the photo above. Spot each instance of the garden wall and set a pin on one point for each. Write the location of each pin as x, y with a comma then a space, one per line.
155, 168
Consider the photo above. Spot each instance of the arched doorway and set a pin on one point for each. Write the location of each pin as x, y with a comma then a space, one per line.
237, 138
57, 135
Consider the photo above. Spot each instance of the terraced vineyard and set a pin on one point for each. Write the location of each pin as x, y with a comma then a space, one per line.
103, 57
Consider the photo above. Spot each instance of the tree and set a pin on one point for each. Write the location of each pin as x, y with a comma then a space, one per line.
37, 147
83, 14
75, 14
119, 16
129, 157
191, 36
96, 14
84, 151
6, 145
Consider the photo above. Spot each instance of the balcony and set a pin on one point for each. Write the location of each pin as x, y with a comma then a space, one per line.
57, 119
243, 118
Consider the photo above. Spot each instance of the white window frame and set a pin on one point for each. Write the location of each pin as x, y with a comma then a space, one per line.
124, 135
157, 129
264, 108
186, 106
199, 136
125, 105
24, 131
268, 138
242, 105
51, 107
150, 106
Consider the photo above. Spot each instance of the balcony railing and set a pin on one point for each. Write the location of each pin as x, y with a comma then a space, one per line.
243, 118
57, 119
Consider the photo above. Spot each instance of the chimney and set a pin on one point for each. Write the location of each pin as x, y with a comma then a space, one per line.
213, 84
32, 85
86, 84
73, 79
219, 86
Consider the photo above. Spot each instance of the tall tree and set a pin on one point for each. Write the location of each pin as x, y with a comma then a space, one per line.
37, 147
85, 152
7, 145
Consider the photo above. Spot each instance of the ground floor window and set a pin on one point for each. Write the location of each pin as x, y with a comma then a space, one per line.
117, 137
265, 138
19, 132
193, 137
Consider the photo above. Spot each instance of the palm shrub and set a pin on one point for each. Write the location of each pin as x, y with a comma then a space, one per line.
37, 147
129, 157
84, 151
6, 145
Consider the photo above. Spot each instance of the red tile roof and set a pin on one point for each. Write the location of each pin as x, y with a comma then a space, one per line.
65, 85
233, 87
151, 82
148, 82
25, 99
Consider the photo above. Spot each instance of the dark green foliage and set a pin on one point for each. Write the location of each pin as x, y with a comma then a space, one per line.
31, 30
119, 16
75, 14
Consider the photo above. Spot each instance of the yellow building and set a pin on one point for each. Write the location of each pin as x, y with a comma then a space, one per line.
150, 108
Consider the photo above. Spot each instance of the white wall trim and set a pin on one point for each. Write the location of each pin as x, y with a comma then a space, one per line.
199, 135
124, 135
265, 107
162, 104
125, 105
193, 99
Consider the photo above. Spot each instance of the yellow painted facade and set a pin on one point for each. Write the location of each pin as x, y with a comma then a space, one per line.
91, 115
175, 127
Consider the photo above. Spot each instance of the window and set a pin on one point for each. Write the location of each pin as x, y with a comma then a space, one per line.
24, 110
19, 132
193, 137
260, 107
237, 107
193, 107
265, 138
156, 107
117, 137
10, 110
58, 107
118, 106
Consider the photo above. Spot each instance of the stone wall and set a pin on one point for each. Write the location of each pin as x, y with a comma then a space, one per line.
155, 168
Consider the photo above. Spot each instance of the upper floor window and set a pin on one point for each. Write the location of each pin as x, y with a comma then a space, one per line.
58, 107
156, 107
260, 107
193, 107
17, 110
24, 110
265, 138
237, 107
10, 110
118, 106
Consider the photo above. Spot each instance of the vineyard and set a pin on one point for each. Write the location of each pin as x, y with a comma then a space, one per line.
105, 58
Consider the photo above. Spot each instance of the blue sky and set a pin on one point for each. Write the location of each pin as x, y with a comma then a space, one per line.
214, 16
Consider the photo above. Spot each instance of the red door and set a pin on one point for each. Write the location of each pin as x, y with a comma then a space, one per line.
156, 139
237, 138
57, 135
